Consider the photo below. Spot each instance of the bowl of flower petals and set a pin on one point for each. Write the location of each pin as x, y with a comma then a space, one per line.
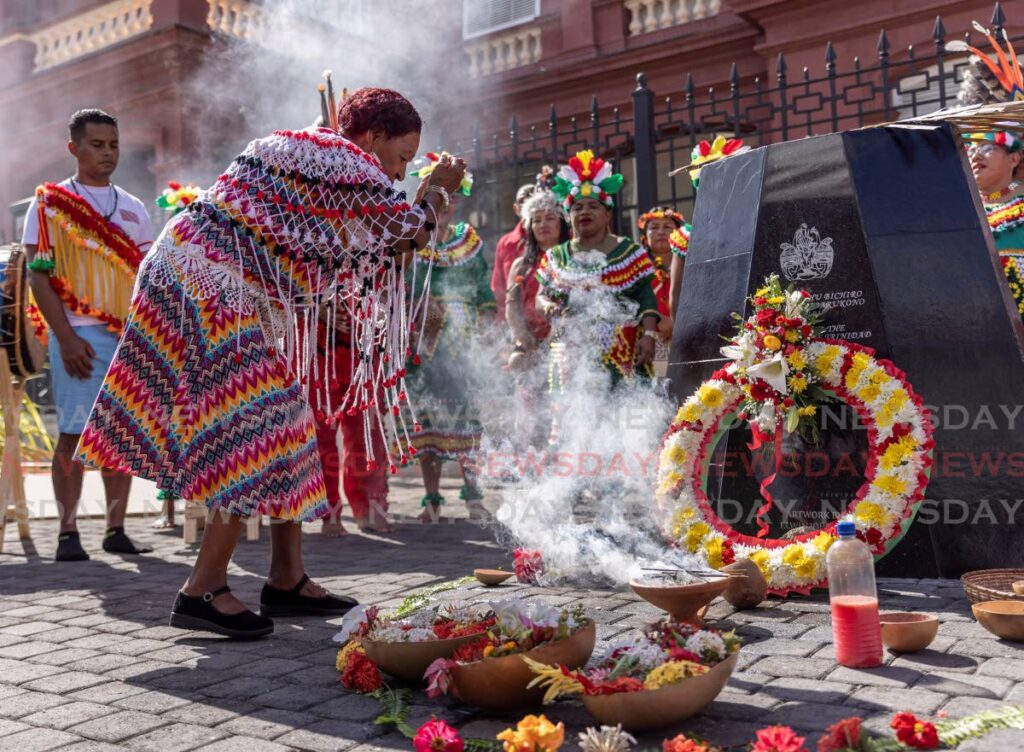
680, 594
404, 647
667, 673
491, 671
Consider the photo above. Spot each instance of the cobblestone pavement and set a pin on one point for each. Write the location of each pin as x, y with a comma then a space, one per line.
88, 663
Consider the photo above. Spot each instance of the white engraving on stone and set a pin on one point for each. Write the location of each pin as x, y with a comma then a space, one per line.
809, 256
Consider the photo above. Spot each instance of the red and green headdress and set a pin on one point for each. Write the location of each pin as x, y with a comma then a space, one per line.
431, 158
587, 176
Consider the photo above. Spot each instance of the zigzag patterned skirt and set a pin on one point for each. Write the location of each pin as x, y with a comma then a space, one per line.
198, 402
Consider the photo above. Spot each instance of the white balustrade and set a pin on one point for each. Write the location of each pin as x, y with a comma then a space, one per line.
650, 15
91, 31
505, 52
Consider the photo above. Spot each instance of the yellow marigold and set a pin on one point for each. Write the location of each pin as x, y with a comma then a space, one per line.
898, 452
535, 733
807, 412
679, 521
673, 672
792, 335
797, 386
890, 484
695, 535
869, 393
689, 413
669, 482
803, 565
762, 292
713, 549
488, 650
673, 455
350, 647
823, 542
797, 359
826, 359
772, 342
777, 300
871, 513
710, 396
760, 558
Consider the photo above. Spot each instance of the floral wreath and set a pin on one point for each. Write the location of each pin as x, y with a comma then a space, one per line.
659, 213
781, 372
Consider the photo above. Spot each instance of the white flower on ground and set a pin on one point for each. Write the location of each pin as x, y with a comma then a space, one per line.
606, 739
350, 623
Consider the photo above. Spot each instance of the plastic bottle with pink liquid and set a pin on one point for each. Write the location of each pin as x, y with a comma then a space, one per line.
856, 629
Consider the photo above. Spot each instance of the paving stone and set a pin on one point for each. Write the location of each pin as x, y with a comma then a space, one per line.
918, 701
779, 646
208, 714
39, 740
270, 723
27, 703
883, 676
118, 726
985, 648
69, 714
958, 707
20, 650
807, 690
152, 702
806, 715
64, 657
329, 736
245, 744
108, 693
293, 698
237, 688
965, 685
350, 706
993, 667
89, 746
11, 727
181, 737
65, 681
807, 668
30, 628
928, 661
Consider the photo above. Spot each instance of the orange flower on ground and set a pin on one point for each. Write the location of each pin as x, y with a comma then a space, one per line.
842, 735
683, 743
535, 733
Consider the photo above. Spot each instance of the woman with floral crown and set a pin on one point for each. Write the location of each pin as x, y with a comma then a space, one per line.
597, 286
996, 156
441, 375
663, 233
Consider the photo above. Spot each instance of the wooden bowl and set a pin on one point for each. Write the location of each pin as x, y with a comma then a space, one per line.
500, 683
908, 632
1018, 587
491, 577
683, 602
1004, 619
656, 708
409, 660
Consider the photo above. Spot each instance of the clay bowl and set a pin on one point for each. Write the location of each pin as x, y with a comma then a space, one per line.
656, 708
409, 660
491, 577
907, 632
683, 602
500, 683
1018, 587
1002, 618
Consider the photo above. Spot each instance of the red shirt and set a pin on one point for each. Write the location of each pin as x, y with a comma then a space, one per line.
509, 248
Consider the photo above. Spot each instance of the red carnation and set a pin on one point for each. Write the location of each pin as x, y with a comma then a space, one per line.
360, 673
913, 732
842, 735
761, 391
787, 402
778, 739
765, 317
728, 554
760, 301
527, 565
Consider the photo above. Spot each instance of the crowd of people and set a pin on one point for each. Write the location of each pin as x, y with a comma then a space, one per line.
303, 296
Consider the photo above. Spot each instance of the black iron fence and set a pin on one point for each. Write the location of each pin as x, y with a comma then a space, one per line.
656, 135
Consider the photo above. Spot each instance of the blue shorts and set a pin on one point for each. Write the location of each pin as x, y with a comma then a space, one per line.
75, 397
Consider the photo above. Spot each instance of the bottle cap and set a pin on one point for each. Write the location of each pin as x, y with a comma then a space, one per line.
846, 529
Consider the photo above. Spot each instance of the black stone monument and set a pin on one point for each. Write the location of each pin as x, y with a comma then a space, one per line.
884, 226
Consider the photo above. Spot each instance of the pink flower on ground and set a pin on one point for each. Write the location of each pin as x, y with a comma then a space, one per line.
437, 736
778, 739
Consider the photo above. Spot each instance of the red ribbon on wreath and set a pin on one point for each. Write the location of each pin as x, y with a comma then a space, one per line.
758, 440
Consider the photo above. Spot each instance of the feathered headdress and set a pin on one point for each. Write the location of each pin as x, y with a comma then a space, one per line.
587, 176
1000, 138
711, 151
546, 178
429, 162
988, 80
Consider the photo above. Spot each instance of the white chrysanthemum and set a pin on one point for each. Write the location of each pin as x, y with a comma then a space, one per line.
606, 739
706, 642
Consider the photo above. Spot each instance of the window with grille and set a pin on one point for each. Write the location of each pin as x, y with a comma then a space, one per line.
481, 17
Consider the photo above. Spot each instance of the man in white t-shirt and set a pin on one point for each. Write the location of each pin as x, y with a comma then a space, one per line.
81, 346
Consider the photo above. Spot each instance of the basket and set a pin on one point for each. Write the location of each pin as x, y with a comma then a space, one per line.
992, 585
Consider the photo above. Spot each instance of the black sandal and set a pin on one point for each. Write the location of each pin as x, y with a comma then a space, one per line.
277, 602
190, 612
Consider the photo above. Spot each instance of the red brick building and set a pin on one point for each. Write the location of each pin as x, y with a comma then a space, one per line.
139, 58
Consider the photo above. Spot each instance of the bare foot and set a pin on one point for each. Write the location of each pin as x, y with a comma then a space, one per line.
333, 529
431, 514
374, 524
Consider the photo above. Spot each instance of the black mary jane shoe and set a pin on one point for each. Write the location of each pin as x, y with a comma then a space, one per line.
277, 602
190, 612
